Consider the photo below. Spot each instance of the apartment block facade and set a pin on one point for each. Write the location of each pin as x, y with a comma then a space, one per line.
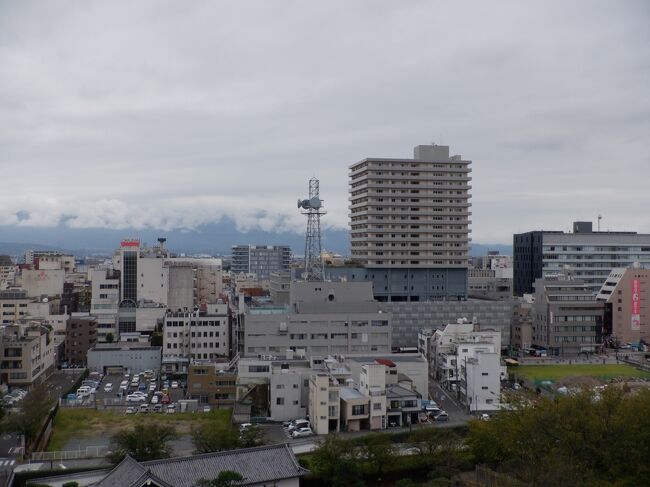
409, 223
203, 334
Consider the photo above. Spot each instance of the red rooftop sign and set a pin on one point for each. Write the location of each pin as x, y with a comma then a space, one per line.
130, 242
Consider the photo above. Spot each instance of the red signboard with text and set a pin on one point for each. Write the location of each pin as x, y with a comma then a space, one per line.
130, 243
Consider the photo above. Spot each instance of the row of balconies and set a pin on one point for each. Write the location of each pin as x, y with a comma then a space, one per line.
448, 184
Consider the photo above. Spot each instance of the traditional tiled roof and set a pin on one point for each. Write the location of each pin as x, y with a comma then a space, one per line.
257, 465
396, 391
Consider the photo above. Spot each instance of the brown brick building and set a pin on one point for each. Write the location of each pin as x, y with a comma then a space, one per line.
211, 384
80, 336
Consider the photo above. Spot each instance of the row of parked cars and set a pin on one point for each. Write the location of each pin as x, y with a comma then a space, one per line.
297, 428
434, 412
156, 408
12, 398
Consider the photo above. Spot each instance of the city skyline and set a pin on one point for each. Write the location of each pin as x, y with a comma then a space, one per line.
189, 114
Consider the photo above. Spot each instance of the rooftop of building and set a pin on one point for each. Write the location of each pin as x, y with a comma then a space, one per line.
397, 391
394, 357
348, 393
125, 346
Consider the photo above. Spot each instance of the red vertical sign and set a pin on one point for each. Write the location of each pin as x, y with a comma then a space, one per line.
636, 305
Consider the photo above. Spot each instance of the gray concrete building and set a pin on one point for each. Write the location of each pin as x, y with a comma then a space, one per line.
410, 318
489, 284
261, 260
321, 318
590, 255
567, 319
409, 223
129, 357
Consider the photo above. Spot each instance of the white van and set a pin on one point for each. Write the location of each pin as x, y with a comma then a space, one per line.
83, 391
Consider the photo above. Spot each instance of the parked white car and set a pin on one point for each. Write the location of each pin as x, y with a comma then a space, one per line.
175, 385
135, 398
108, 387
83, 391
302, 432
300, 423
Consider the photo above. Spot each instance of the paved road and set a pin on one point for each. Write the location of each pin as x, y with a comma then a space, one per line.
445, 399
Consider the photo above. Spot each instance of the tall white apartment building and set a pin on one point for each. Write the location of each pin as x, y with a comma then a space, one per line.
202, 335
411, 212
410, 225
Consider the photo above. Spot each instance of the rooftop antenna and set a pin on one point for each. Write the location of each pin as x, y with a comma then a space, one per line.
600, 217
313, 208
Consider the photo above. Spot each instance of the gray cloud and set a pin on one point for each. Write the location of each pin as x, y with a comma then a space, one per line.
177, 114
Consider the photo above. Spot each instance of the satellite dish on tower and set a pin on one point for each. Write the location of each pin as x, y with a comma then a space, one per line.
312, 207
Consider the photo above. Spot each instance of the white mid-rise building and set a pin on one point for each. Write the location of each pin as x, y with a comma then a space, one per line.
188, 335
467, 361
104, 304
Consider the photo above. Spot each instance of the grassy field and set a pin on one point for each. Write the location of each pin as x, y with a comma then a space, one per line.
83, 422
562, 371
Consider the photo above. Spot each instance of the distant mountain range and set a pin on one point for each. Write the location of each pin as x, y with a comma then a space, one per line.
214, 239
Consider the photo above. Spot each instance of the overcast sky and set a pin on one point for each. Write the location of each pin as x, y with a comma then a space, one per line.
174, 114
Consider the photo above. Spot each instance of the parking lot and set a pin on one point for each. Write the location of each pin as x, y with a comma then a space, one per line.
120, 392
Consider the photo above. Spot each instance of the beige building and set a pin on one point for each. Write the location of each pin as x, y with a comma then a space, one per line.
13, 305
372, 383
55, 262
324, 403
354, 410
42, 282
27, 352
626, 294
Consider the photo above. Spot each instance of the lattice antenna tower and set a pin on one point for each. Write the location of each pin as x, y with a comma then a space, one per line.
313, 208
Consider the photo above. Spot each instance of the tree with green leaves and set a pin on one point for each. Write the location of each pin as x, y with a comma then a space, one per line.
214, 436
146, 441
251, 436
379, 451
335, 461
226, 478
581, 439
33, 411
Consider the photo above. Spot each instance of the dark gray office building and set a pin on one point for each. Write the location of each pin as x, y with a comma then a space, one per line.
587, 254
